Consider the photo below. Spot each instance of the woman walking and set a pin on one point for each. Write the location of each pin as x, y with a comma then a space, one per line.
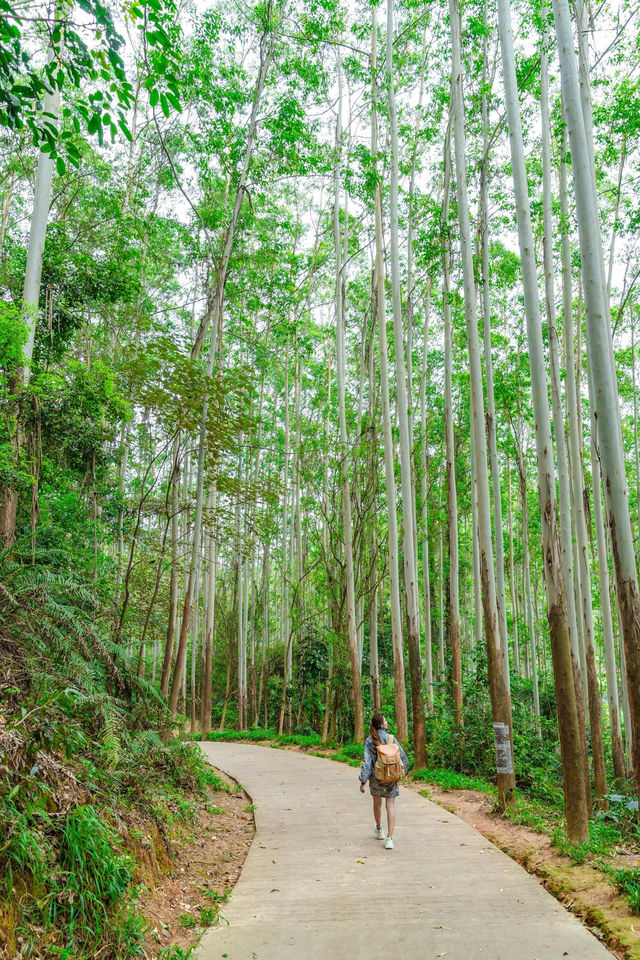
378, 736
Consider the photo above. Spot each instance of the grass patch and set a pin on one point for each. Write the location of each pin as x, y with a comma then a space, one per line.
603, 839
175, 953
451, 780
532, 813
187, 920
627, 880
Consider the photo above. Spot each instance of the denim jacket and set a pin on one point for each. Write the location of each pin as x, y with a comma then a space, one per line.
371, 755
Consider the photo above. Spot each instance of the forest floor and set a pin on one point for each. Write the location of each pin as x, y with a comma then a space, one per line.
582, 888
206, 861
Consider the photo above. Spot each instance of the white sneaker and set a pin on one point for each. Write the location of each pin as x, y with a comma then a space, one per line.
388, 844
378, 833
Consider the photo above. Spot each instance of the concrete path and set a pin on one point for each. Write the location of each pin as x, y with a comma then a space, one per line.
317, 885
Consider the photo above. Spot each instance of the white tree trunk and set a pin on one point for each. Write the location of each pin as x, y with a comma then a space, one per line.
352, 638
389, 476
568, 723
455, 640
488, 363
500, 698
38, 232
604, 399
408, 526
428, 653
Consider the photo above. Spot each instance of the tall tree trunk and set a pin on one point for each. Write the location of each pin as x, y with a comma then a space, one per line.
604, 399
488, 360
390, 488
564, 473
175, 572
210, 621
374, 670
526, 581
455, 641
570, 745
352, 638
409, 542
426, 586
476, 636
617, 749
512, 578
572, 381
500, 697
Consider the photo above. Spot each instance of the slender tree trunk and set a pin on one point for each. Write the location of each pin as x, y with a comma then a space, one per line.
455, 641
488, 360
175, 572
500, 697
352, 639
409, 543
476, 636
210, 621
617, 749
374, 669
512, 578
428, 650
441, 664
570, 745
564, 473
526, 580
394, 579
604, 396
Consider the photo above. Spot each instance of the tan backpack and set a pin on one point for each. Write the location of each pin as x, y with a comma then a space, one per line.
389, 767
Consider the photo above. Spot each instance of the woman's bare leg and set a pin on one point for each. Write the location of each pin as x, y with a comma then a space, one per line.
391, 815
377, 810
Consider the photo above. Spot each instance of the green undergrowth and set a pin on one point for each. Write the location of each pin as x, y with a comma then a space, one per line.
91, 778
452, 780
627, 881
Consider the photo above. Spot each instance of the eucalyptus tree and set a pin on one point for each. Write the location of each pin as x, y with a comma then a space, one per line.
604, 393
408, 527
488, 359
500, 697
389, 474
572, 758
455, 640
352, 639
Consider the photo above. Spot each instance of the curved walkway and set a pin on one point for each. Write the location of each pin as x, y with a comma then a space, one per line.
317, 885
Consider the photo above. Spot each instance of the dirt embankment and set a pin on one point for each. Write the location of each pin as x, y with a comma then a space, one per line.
190, 886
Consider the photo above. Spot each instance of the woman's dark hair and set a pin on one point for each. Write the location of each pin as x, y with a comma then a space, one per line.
377, 722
